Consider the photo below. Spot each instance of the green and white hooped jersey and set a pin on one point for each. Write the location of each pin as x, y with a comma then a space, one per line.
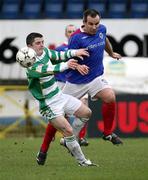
41, 81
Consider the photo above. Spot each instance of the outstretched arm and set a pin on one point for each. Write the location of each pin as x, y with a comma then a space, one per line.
49, 69
64, 55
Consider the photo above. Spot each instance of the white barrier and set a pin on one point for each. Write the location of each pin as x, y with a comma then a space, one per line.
128, 75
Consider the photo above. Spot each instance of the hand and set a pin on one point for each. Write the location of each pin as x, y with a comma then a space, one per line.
116, 56
83, 69
72, 64
82, 52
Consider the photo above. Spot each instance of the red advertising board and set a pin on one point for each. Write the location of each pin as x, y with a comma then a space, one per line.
131, 116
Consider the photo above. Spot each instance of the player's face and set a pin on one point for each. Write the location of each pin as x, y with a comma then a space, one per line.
69, 31
38, 46
92, 24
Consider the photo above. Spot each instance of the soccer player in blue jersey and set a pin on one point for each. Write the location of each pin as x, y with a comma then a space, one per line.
61, 77
92, 35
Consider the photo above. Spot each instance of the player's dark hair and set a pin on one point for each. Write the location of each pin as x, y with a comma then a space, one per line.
90, 12
30, 38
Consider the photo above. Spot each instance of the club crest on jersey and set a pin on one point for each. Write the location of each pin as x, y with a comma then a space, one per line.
84, 37
101, 35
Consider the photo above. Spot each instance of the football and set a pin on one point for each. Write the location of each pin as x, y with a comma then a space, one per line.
26, 57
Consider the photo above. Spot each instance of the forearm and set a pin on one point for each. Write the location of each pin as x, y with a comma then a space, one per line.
56, 56
108, 47
57, 68
43, 70
109, 50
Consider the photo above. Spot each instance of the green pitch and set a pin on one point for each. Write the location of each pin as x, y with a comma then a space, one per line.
127, 162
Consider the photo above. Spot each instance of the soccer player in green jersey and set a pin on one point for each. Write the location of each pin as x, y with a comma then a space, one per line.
52, 102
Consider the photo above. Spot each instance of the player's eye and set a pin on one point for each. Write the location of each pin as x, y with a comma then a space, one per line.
70, 31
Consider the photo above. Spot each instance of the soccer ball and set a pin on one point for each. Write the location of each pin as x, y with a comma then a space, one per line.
26, 57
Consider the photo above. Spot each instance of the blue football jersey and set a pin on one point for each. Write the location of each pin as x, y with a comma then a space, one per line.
62, 75
95, 45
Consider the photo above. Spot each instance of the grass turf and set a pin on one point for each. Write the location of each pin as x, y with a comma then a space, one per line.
126, 162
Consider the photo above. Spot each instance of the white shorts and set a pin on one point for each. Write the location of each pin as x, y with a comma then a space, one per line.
60, 84
60, 105
92, 88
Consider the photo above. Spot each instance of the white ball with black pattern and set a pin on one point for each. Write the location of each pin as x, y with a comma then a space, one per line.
26, 57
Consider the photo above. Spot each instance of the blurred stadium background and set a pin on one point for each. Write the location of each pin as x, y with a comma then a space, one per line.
127, 23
